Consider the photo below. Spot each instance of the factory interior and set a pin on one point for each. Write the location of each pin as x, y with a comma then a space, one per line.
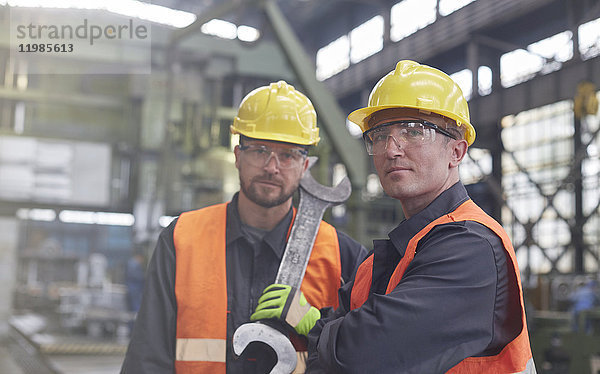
101, 147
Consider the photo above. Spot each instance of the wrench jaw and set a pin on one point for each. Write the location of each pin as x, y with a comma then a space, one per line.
259, 332
331, 195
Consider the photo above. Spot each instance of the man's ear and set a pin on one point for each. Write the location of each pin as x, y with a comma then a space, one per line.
459, 150
305, 167
236, 152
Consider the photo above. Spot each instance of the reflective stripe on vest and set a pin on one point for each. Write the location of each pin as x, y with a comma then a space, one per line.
516, 356
201, 286
200, 350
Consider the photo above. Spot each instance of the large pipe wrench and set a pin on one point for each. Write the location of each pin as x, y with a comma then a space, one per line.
314, 199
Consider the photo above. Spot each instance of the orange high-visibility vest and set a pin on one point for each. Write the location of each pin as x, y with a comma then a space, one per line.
516, 356
201, 286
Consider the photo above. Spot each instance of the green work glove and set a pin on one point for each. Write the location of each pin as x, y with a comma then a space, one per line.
276, 302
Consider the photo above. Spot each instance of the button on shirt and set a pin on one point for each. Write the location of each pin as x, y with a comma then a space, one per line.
458, 298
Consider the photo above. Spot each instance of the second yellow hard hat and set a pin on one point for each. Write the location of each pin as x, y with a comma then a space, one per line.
277, 112
416, 86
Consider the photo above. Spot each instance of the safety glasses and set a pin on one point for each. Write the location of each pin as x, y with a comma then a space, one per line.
260, 155
405, 133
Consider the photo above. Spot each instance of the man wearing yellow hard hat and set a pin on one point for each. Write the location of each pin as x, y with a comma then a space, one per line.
442, 293
211, 265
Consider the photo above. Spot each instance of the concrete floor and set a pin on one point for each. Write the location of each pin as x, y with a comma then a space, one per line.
14, 360
77, 364
8, 364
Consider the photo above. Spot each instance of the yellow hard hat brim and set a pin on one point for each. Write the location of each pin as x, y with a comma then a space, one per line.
277, 137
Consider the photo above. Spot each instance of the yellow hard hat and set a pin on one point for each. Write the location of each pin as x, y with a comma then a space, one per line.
277, 112
416, 86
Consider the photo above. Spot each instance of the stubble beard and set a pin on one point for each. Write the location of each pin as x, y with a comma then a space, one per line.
254, 194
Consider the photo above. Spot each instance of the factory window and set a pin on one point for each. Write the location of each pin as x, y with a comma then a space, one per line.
556, 49
485, 80
409, 16
544, 56
228, 30
366, 39
354, 129
537, 168
362, 42
339, 173
464, 79
247, 33
333, 58
165, 221
450, 6
518, 66
36, 214
373, 188
220, 28
589, 39
590, 170
98, 218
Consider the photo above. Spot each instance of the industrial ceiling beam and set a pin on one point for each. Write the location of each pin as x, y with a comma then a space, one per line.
328, 109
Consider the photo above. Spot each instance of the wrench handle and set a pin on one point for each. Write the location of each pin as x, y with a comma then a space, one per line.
301, 240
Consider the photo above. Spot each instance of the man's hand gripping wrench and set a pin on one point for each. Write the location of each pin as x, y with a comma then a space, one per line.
314, 199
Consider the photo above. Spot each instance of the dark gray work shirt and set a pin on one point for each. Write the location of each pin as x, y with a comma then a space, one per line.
458, 298
250, 268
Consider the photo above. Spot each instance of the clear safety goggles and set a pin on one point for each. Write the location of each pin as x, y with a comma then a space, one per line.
260, 155
405, 133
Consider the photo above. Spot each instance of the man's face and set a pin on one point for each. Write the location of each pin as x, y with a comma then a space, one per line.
411, 171
269, 171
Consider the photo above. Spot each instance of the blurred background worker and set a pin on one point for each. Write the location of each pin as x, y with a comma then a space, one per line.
443, 293
210, 265
585, 298
134, 280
